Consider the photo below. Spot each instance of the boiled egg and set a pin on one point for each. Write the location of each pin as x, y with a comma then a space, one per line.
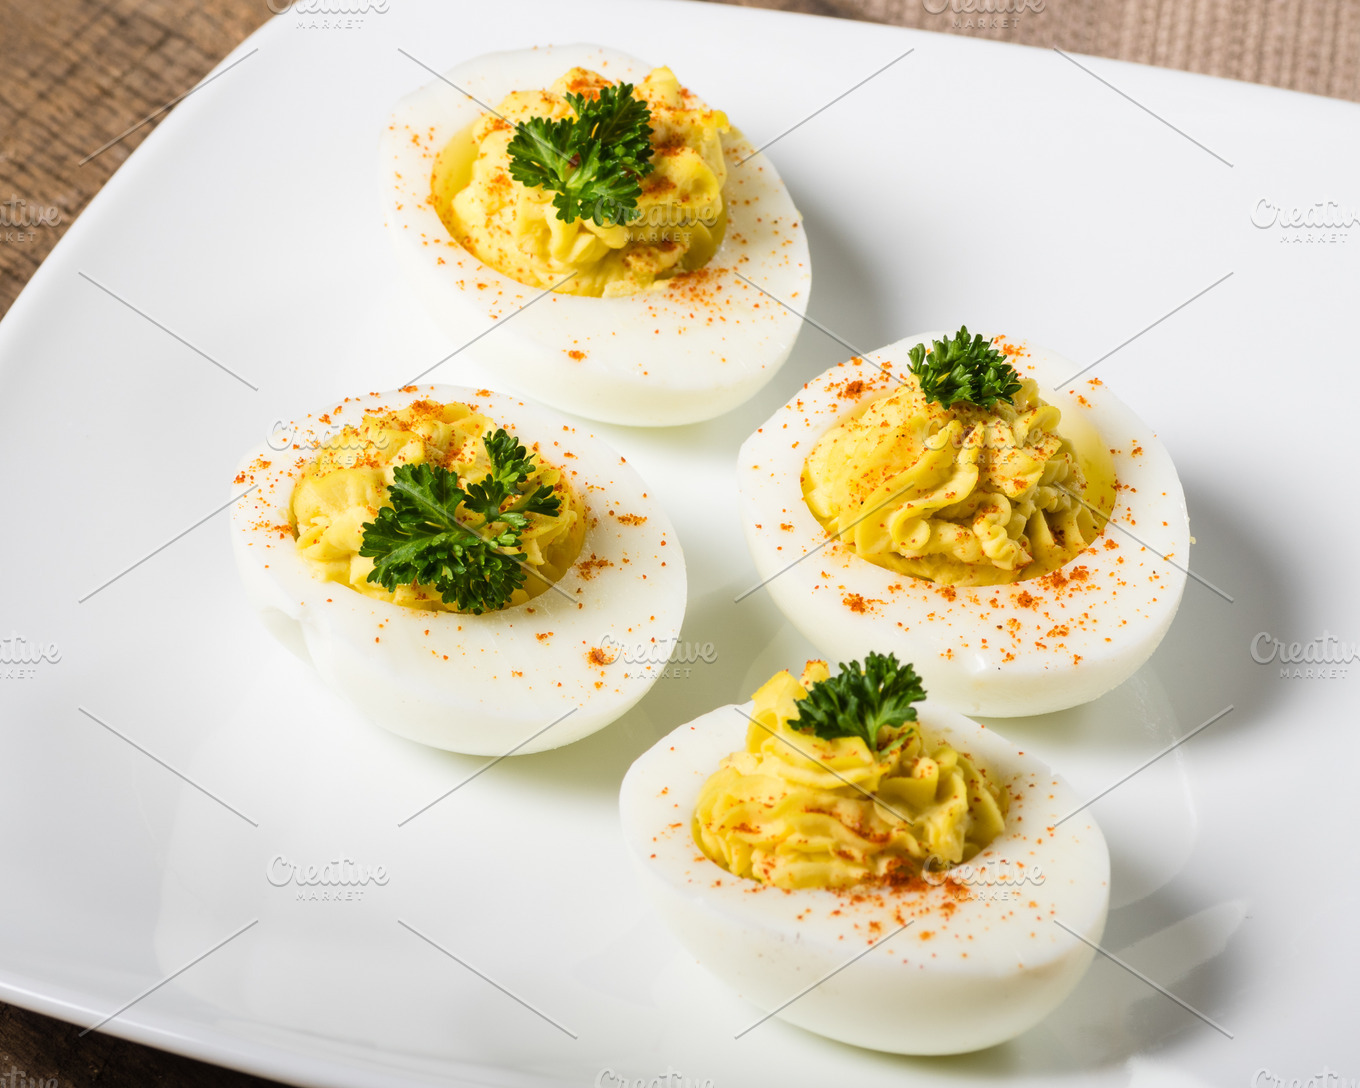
961, 959
689, 347
537, 674
1042, 643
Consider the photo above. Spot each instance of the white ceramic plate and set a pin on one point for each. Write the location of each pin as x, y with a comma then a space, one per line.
969, 182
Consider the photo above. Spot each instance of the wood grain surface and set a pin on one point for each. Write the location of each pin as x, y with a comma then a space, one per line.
77, 74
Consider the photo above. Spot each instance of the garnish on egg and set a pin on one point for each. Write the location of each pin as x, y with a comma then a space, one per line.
594, 161
859, 701
436, 507
1020, 556
661, 231
831, 791
588, 186
516, 577
960, 475
964, 370
420, 539
974, 956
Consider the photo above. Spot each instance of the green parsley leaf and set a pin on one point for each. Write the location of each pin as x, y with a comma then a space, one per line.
511, 465
421, 540
860, 701
594, 162
618, 121
964, 370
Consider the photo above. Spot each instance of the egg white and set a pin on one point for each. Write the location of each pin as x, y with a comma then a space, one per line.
967, 973
661, 357
1046, 647
484, 684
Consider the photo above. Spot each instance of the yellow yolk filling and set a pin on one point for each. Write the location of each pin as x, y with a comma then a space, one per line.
783, 811
961, 495
514, 228
345, 485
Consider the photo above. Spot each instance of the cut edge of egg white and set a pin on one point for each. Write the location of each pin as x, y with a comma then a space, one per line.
488, 684
660, 357
1051, 642
973, 967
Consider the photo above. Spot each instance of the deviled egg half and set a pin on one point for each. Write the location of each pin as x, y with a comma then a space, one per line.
1026, 553
459, 564
618, 291
894, 877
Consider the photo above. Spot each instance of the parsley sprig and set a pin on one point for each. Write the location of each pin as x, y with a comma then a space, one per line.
421, 540
594, 161
859, 701
964, 370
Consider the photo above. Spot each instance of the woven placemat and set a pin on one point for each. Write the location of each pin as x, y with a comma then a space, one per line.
77, 74
1305, 45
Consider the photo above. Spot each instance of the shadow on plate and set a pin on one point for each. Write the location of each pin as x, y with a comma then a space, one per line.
710, 667
1206, 659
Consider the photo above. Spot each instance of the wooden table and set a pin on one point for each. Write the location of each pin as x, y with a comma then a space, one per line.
77, 74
